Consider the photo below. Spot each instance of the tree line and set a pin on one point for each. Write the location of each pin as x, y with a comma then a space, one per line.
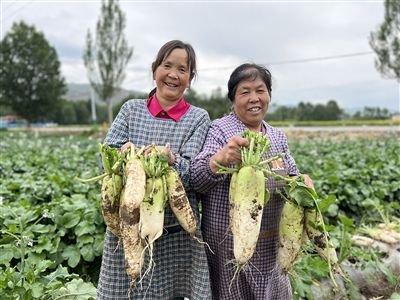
218, 105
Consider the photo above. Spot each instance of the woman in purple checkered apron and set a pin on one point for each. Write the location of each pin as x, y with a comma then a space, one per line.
180, 262
249, 89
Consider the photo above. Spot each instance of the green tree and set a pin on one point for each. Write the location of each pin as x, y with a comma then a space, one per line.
333, 111
281, 113
66, 113
107, 57
305, 111
386, 41
5, 110
372, 113
319, 113
134, 95
217, 105
192, 97
30, 80
82, 111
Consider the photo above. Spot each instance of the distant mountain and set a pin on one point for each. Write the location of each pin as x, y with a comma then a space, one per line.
79, 92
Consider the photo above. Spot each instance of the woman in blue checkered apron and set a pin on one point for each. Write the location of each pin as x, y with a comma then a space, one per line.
180, 262
249, 89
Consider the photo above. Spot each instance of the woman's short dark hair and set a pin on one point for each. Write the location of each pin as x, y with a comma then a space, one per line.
248, 71
166, 50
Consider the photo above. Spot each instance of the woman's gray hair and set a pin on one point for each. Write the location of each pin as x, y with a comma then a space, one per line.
248, 71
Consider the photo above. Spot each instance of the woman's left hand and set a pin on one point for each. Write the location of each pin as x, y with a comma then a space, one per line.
164, 150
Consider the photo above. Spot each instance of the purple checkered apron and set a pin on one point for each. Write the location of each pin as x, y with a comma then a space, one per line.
262, 279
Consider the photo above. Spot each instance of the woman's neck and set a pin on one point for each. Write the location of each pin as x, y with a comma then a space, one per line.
166, 104
254, 128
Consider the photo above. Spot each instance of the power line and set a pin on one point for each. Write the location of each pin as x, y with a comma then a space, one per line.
17, 10
296, 61
283, 62
11, 4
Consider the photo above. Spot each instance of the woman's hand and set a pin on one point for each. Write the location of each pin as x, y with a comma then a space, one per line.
163, 150
308, 181
229, 154
166, 150
126, 146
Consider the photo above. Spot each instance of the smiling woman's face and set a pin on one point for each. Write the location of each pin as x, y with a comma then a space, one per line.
251, 102
172, 77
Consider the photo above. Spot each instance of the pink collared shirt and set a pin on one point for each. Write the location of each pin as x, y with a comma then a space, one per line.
174, 113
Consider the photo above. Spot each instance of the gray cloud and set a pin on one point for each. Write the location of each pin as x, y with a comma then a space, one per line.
226, 34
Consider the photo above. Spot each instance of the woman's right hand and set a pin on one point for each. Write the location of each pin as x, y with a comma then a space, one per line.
126, 146
229, 154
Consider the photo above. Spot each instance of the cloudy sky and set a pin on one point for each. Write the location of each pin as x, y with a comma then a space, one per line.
288, 37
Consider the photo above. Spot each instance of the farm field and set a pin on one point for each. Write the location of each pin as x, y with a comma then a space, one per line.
52, 230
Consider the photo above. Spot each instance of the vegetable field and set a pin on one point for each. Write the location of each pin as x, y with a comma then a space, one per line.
52, 229
362, 175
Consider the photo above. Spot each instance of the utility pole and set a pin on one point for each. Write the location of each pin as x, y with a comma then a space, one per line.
93, 103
